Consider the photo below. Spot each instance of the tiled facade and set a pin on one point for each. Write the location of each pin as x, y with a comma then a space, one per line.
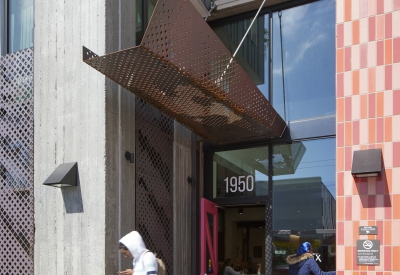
368, 116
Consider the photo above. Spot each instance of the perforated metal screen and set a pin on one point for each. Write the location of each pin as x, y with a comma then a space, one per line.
154, 164
16, 163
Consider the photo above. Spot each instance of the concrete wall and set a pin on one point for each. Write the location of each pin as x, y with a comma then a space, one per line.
368, 116
80, 116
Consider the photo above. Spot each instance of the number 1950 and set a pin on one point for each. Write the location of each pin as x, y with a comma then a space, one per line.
234, 184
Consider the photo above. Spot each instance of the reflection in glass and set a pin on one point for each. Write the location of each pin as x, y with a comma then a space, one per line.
306, 199
287, 243
307, 84
2, 27
252, 55
240, 173
20, 25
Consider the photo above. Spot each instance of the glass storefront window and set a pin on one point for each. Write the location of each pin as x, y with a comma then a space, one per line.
305, 86
305, 199
304, 38
20, 25
240, 173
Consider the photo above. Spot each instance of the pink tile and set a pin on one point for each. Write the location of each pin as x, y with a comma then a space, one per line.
396, 128
340, 35
380, 78
379, 7
371, 106
363, 55
363, 8
348, 83
363, 131
388, 257
388, 207
348, 227
355, 57
348, 154
396, 4
348, 209
380, 129
371, 7
387, 153
396, 102
356, 132
339, 11
355, 108
356, 203
340, 134
388, 6
396, 185
396, 237
396, 154
371, 28
388, 106
348, 34
340, 233
380, 27
396, 49
395, 75
396, 23
340, 184
363, 30
347, 108
379, 53
355, 10
388, 25
340, 85
347, 59
388, 77
371, 52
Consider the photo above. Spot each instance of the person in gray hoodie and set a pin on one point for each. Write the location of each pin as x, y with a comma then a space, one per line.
144, 261
303, 262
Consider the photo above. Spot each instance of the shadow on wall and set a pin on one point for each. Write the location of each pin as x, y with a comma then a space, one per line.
72, 197
380, 196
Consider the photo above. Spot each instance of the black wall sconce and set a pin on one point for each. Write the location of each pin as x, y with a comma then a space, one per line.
130, 156
65, 175
367, 163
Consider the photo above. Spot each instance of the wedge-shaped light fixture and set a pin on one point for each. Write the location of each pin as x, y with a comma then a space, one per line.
64, 176
367, 163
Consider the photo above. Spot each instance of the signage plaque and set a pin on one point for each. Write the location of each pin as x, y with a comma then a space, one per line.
368, 252
367, 230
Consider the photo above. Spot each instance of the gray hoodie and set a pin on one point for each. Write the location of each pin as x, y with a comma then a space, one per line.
144, 262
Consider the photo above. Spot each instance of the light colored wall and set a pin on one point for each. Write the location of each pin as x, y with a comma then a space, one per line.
80, 116
368, 116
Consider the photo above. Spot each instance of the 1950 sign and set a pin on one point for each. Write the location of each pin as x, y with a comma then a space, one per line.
239, 184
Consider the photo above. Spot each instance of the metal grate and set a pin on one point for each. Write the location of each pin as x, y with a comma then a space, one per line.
154, 150
16, 163
181, 67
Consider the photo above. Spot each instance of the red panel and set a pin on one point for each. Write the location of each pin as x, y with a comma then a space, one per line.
207, 242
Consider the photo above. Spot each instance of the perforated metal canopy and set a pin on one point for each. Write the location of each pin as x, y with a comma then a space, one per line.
181, 67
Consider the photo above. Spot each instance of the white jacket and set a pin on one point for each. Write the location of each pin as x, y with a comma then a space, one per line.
144, 262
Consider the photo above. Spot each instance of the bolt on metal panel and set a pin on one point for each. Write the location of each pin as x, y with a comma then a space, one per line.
182, 68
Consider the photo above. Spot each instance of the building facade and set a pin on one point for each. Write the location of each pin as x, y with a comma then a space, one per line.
181, 157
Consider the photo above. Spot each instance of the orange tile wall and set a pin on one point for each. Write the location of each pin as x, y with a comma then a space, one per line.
368, 116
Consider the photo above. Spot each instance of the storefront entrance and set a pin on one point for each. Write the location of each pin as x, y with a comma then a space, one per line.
269, 200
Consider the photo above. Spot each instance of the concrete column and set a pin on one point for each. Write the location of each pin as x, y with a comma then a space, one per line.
81, 117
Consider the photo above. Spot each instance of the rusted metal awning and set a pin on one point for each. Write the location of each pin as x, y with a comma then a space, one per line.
181, 67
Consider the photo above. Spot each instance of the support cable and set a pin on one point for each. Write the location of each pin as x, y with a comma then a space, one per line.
283, 69
241, 42
213, 6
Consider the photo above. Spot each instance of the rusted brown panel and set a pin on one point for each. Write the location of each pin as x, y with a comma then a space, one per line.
154, 169
16, 163
183, 69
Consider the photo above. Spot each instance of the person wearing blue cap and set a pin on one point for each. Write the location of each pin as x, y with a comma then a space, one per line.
303, 262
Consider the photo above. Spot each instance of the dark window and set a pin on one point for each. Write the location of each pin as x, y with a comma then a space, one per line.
17, 23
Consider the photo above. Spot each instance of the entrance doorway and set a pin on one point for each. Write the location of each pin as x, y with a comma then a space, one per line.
241, 238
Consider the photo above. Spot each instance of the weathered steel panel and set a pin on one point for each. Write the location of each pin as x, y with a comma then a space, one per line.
16, 163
